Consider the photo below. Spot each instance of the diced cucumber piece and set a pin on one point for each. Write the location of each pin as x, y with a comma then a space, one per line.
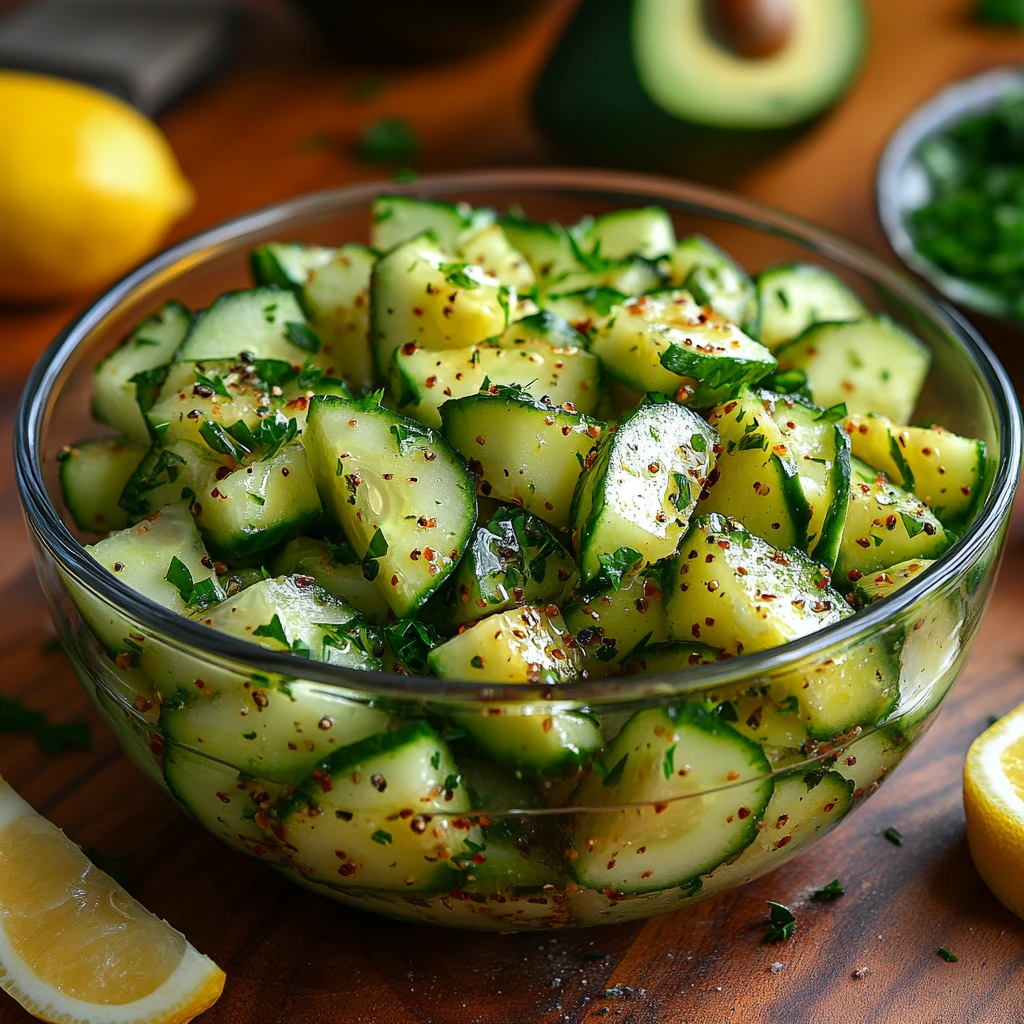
632, 275
264, 323
151, 345
871, 758
585, 309
141, 557
165, 477
758, 480
490, 248
858, 687
92, 476
820, 449
712, 277
669, 657
668, 835
641, 485
521, 449
885, 525
776, 727
337, 570
227, 805
144, 556
547, 246
526, 644
396, 219
248, 507
279, 733
542, 326
647, 232
420, 295
503, 867
617, 621
735, 591
871, 365
943, 469
287, 264
513, 558
384, 812
666, 342
291, 614
226, 391
403, 497
424, 379
804, 805
884, 582
337, 298
792, 297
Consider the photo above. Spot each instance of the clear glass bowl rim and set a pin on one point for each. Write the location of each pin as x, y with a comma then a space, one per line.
47, 375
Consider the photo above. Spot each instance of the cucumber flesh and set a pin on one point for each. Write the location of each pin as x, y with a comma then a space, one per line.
92, 476
546, 246
384, 812
733, 590
402, 495
646, 231
287, 264
522, 450
665, 835
151, 345
669, 657
944, 470
396, 219
885, 525
490, 248
641, 485
792, 297
870, 365
337, 570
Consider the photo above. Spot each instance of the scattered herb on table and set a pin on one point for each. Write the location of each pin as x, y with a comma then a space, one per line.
593, 955
950, 958
388, 140
50, 737
894, 836
781, 922
831, 891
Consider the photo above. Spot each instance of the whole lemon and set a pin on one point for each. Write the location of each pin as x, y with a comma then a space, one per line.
88, 186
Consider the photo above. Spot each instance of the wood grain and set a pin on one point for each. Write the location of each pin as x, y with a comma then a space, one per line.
248, 139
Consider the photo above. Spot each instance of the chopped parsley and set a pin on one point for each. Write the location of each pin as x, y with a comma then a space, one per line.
382, 837
894, 836
376, 549
950, 958
833, 890
388, 140
781, 922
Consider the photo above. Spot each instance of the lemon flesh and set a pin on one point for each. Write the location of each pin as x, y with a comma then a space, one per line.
88, 186
74, 946
994, 807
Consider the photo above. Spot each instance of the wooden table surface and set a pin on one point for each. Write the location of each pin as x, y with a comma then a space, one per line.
281, 121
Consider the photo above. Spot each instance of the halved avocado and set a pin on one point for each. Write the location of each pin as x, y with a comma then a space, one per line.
655, 83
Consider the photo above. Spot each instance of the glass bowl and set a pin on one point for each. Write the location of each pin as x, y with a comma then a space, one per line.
488, 847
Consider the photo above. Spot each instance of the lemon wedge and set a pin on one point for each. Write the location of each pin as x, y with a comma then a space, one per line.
994, 805
88, 186
75, 947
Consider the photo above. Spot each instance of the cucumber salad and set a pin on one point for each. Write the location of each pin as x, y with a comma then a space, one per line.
504, 451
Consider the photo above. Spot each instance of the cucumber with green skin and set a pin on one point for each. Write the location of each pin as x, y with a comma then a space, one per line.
665, 342
944, 470
669, 657
794, 296
397, 219
490, 248
383, 812
647, 231
546, 246
287, 264
885, 525
513, 558
522, 450
337, 570
712, 277
403, 496
421, 294
615, 621
642, 484
423, 379
733, 590
667, 836
265, 323
870, 365
136, 364
93, 475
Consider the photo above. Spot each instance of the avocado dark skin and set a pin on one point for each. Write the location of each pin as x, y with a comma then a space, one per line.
419, 29
592, 108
